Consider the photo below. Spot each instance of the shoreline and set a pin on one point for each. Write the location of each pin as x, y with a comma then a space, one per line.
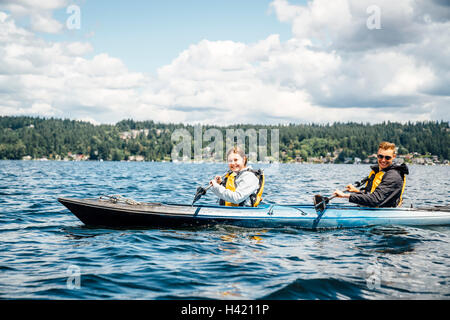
224, 163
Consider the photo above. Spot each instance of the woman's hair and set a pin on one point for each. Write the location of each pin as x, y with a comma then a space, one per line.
238, 151
387, 146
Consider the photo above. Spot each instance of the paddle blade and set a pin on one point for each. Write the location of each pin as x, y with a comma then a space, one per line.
320, 203
200, 192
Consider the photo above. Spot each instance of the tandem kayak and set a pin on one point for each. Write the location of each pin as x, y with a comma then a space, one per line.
108, 213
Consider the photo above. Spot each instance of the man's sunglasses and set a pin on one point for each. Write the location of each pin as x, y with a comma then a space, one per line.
380, 156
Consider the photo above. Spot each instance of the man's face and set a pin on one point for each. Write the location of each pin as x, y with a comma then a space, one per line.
385, 158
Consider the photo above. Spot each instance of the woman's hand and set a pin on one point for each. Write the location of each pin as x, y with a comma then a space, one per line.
217, 179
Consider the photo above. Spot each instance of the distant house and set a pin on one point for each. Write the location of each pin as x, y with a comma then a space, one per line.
132, 134
136, 158
76, 157
348, 160
400, 159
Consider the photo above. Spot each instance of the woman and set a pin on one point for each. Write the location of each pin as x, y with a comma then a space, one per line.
242, 186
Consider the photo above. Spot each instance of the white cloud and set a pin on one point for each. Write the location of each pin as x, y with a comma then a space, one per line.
42, 109
39, 12
78, 48
400, 64
333, 69
39, 77
45, 23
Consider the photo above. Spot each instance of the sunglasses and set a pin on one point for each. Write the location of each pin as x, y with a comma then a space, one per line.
380, 156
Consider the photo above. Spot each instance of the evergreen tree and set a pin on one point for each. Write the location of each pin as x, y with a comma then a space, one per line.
52, 138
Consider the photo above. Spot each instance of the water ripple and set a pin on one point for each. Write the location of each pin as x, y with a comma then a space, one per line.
42, 243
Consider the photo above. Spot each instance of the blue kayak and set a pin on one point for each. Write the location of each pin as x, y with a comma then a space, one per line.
113, 213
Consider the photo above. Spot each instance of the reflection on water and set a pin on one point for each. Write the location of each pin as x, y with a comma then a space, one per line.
390, 239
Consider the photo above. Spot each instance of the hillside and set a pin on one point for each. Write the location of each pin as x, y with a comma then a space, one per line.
35, 138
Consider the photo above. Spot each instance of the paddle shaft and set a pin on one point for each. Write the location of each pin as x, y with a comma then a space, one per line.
222, 177
322, 205
326, 200
197, 196
207, 188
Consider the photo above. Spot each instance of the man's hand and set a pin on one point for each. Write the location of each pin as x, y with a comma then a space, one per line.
340, 194
352, 188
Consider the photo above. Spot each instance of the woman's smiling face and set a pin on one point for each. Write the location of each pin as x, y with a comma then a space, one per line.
235, 162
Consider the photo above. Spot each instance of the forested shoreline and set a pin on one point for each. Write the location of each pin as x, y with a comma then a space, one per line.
23, 137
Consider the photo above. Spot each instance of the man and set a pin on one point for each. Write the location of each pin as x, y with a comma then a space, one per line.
385, 184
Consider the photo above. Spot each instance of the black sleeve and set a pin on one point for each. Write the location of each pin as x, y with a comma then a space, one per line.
385, 195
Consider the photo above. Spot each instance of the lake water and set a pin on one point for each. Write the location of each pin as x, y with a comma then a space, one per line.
47, 253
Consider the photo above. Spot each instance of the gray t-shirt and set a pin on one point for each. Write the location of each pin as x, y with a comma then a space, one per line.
246, 184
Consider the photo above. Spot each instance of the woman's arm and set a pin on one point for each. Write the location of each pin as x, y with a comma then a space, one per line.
248, 184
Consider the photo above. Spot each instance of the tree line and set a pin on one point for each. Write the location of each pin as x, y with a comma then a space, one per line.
52, 138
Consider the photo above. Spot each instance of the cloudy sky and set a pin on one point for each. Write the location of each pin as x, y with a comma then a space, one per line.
226, 61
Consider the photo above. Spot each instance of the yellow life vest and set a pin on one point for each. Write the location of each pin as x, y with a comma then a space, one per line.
375, 180
255, 198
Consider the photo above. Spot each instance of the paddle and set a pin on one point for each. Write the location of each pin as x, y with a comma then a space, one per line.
202, 191
320, 202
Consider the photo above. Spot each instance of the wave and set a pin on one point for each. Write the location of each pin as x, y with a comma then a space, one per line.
319, 288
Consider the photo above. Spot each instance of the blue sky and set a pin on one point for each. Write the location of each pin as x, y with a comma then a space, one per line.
225, 62
150, 34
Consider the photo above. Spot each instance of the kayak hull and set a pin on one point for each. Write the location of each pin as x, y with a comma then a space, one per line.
97, 212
